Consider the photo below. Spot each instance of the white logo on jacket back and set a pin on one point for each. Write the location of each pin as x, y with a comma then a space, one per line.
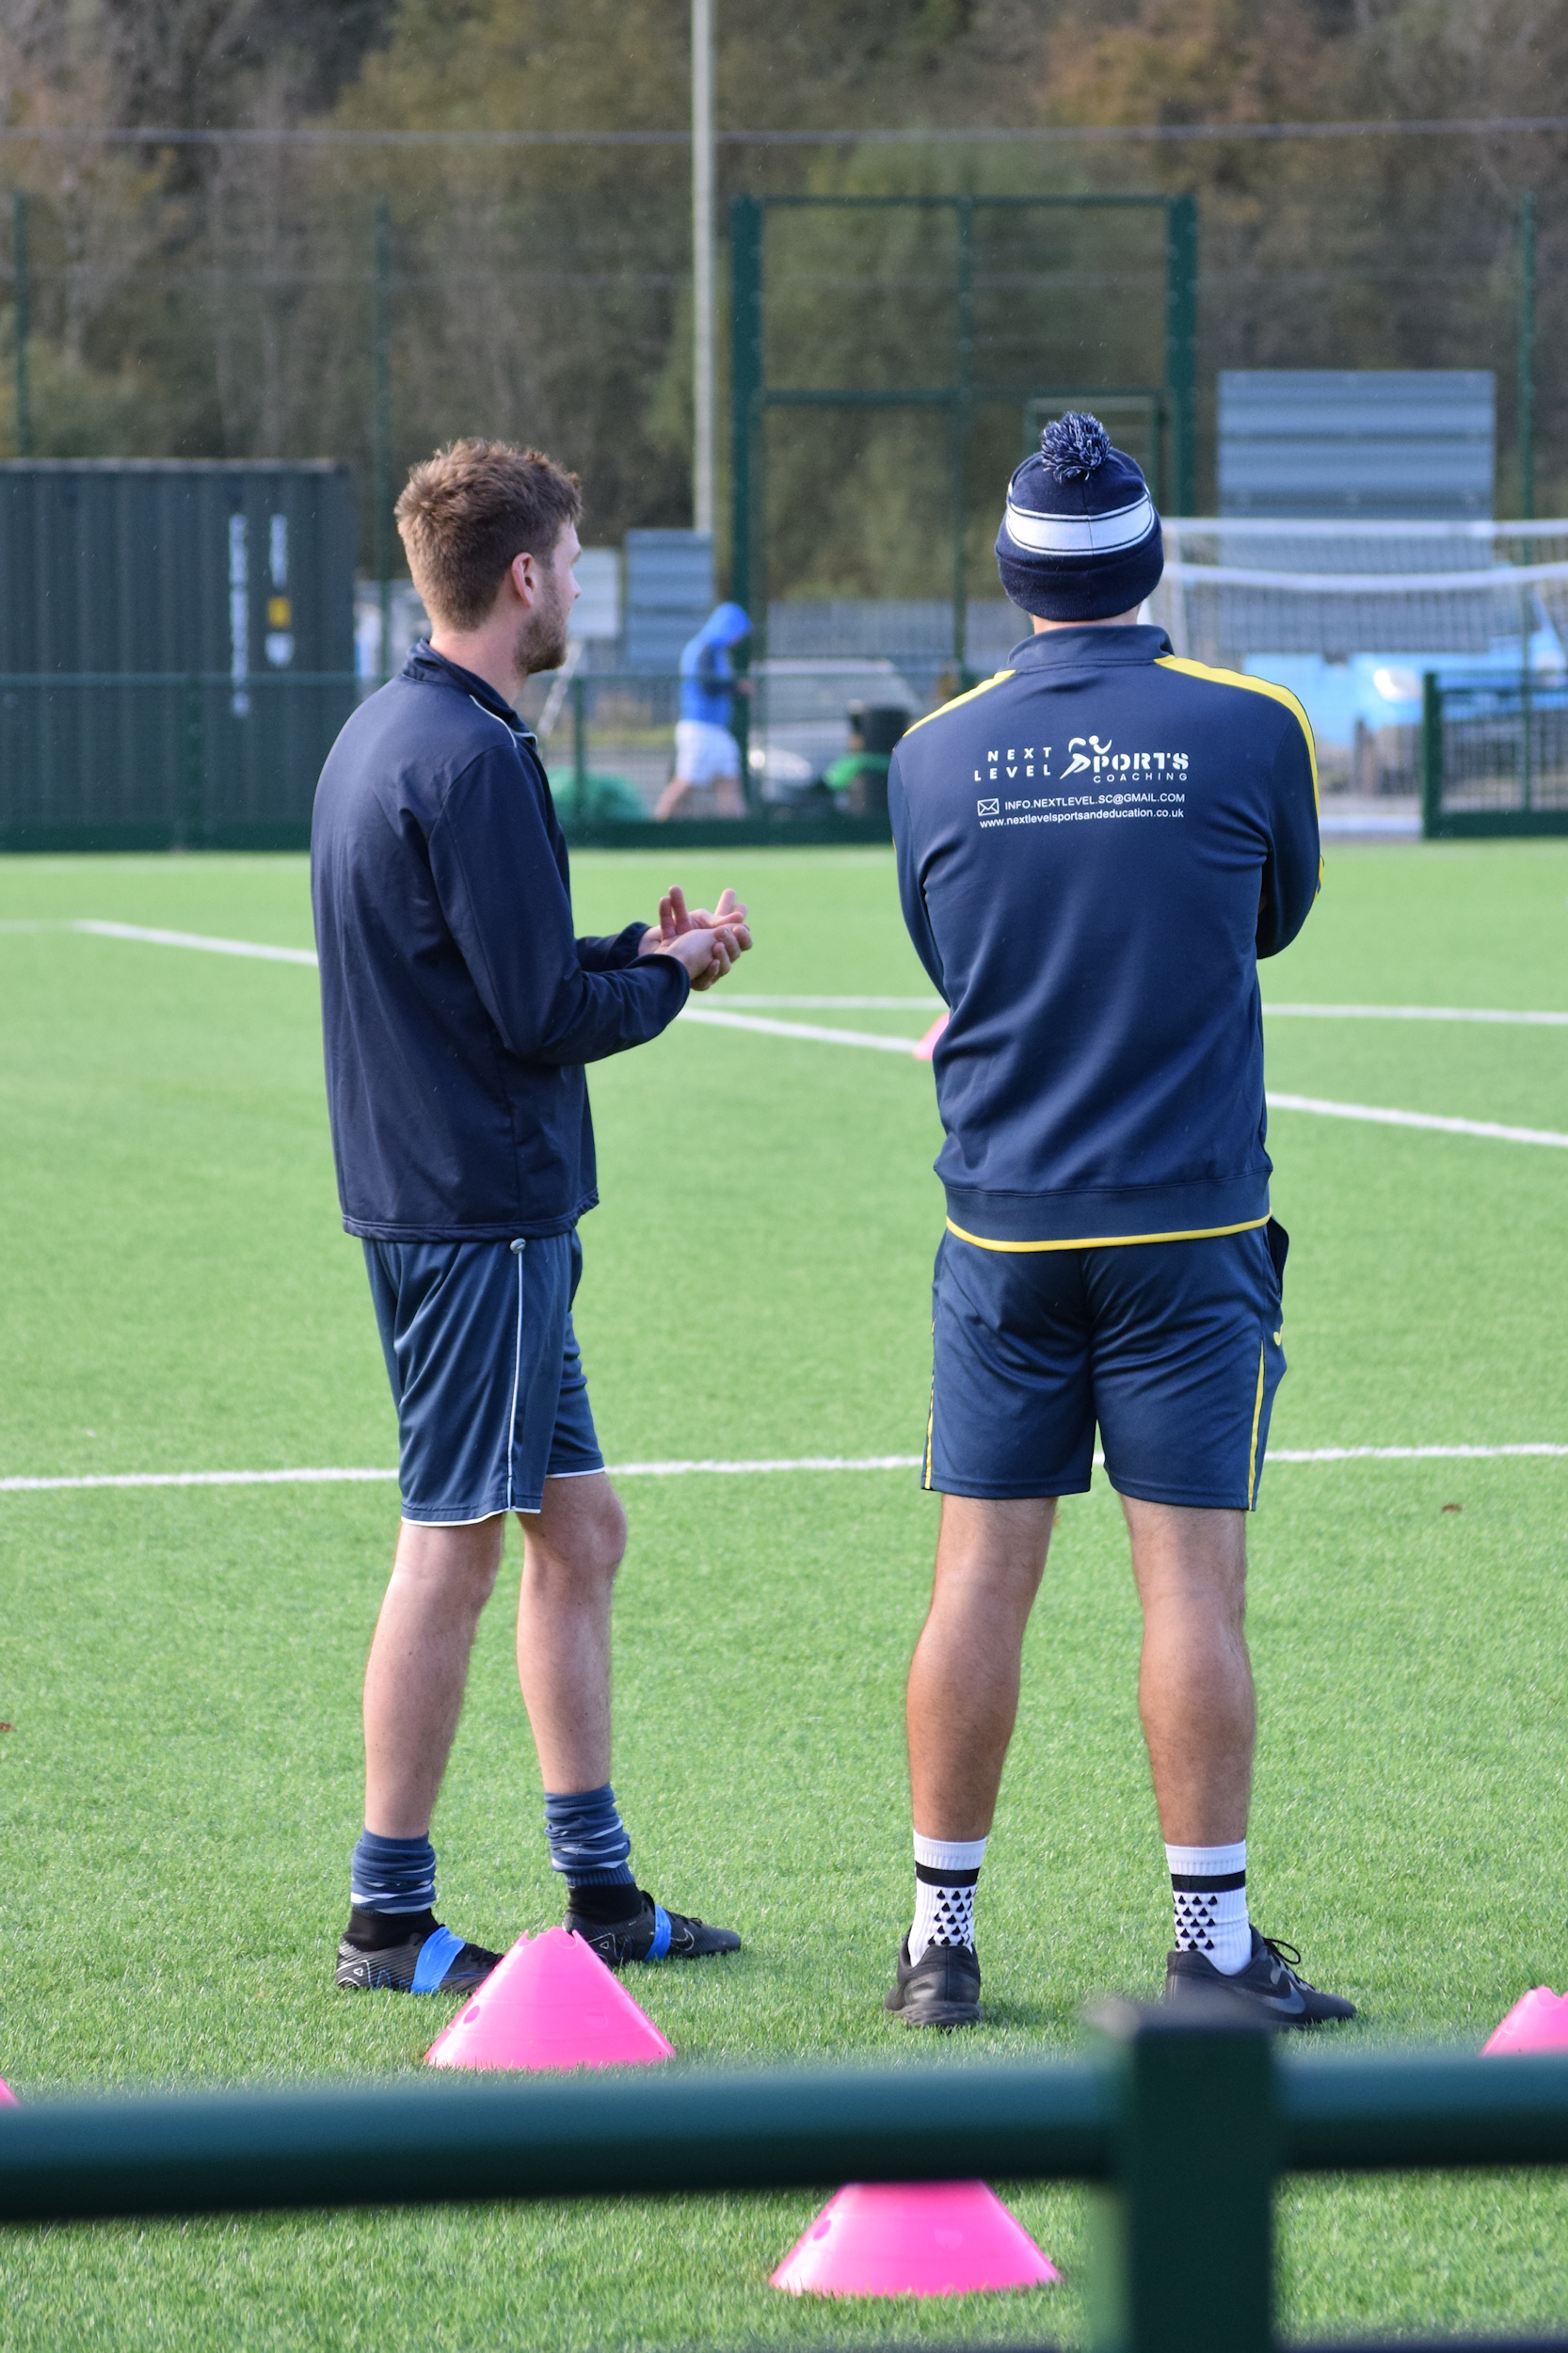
1098, 758
1122, 784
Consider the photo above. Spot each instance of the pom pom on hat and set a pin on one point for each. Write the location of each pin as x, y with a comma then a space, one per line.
1075, 445
1080, 539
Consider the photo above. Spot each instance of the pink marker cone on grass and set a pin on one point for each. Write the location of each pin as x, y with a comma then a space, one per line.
912, 2238
550, 2002
1538, 2021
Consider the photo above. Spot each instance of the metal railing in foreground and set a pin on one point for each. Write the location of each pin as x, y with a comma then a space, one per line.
1182, 2126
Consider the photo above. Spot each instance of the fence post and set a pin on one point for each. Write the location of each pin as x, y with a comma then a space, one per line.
579, 751
748, 521
960, 423
1183, 2253
22, 322
380, 462
188, 829
1432, 756
1181, 347
1525, 419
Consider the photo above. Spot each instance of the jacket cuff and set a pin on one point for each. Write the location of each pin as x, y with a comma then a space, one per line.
614, 954
675, 965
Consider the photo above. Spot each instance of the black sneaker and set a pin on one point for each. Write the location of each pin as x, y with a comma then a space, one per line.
1268, 1985
434, 1961
941, 1989
652, 1934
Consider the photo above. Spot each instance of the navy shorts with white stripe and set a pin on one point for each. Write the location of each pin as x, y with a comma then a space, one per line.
485, 1369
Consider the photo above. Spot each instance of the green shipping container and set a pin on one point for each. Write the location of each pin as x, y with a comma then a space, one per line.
176, 650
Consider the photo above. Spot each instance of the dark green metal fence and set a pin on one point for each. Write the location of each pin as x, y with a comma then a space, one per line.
1494, 757
1182, 2127
162, 760
969, 387
111, 761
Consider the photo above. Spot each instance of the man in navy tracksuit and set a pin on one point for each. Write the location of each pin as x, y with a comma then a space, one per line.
458, 1011
1093, 849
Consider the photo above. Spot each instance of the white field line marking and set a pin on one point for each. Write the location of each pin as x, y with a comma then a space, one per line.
1321, 1013
716, 1468
1406, 1453
817, 1033
819, 1004
197, 939
1382, 1118
848, 1004
1420, 1013
197, 1479
322, 1477
813, 1031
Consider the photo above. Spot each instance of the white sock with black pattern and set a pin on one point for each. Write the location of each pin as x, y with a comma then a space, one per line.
946, 1874
1208, 1894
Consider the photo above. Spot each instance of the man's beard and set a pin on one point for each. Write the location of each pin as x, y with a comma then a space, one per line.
541, 642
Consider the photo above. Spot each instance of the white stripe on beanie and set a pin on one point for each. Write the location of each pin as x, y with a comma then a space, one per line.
1081, 534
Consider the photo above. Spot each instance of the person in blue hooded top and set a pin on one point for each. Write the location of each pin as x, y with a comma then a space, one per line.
707, 756
1094, 848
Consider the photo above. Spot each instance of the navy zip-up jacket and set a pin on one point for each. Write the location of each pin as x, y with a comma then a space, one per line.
457, 1008
1094, 850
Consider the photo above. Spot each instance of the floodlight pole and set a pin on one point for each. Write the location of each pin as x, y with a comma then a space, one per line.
22, 322
703, 264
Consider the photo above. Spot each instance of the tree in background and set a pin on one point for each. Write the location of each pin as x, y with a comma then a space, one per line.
216, 299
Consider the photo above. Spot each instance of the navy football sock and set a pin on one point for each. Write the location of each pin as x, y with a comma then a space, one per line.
589, 1847
378, 1932
395, 1877
604, 1906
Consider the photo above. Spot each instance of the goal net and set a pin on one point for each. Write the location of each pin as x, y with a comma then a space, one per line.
1236, 588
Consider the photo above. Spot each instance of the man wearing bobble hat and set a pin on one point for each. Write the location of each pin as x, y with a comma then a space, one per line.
1093, 849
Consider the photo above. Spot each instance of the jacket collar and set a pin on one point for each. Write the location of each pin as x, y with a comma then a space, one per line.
1091, 647
426, 667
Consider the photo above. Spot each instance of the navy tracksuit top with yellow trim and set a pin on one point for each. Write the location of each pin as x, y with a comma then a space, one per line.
1094, 850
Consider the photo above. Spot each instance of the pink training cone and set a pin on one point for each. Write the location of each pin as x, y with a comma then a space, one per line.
550, 2002
8, 2097
927, 1045
1539, 2022
912, 2238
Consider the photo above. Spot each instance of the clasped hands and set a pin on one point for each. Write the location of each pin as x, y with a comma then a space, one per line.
706, 943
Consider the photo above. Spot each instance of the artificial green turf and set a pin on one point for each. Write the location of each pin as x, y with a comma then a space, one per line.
180, 1668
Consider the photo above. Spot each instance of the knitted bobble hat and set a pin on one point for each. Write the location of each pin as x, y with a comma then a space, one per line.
1080, 539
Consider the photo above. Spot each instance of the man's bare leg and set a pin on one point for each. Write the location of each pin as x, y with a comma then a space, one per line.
572, 1547
963, 1693
441, 1579
961, 1701
669, 802
1194, 1681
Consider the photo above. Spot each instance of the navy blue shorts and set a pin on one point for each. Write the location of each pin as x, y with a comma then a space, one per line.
1172, 1346
485, 1371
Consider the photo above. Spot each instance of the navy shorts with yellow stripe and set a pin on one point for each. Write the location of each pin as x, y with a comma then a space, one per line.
1171, 1348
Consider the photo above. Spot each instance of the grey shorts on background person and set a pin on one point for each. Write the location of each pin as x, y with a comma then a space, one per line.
485, 1371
